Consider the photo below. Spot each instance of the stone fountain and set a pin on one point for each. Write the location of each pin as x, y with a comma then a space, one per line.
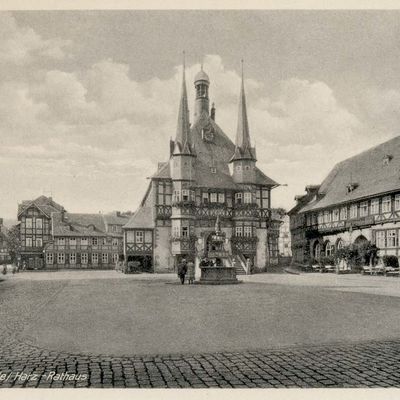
219, 272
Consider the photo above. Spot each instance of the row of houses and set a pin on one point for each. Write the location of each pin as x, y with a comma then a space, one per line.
358, 202
52, 238
207, 176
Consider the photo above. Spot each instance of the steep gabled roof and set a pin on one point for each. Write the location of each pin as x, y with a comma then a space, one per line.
78, 224
45, 204
207, 179
262, 179
372, 172
115, 218
215, 153
143, 218
163, 171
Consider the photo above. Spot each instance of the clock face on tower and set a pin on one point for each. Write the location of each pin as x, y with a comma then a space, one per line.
208, 133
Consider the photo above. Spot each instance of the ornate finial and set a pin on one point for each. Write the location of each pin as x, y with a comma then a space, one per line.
201, 66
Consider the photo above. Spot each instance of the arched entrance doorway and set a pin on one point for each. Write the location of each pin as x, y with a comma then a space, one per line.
328, 249
360, 241
143, 263
361, 244
317, 250
339, 244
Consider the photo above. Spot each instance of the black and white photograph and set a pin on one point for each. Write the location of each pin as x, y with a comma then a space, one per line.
199, 198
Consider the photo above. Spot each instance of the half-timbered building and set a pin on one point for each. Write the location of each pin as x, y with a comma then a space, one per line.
5, 256
358, 201
207, 175
34, 218
55, 239
82, 241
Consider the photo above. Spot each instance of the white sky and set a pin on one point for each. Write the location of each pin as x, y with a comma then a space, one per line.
88, 100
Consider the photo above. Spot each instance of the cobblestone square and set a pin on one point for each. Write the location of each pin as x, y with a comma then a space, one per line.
110, 330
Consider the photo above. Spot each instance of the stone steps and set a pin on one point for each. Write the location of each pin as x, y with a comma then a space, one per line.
240, 270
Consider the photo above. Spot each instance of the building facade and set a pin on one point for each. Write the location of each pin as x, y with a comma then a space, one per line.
54, 239
359, 201
5, 256
207, 175
285, 249
34, 219
83, 241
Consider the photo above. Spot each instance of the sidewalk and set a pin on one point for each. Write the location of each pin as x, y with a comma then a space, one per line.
356, 283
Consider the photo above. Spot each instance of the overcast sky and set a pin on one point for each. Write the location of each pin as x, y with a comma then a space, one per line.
88, 100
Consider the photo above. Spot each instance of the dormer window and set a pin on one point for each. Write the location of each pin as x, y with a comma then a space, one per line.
351, 187
386, 159
213, 170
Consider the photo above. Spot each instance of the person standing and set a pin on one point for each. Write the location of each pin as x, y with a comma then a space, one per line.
182, 269
190, 272
248, 265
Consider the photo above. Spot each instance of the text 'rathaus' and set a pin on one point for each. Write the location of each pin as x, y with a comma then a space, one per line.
207, 176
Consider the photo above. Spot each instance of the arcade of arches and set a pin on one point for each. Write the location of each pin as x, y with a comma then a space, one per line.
327, 248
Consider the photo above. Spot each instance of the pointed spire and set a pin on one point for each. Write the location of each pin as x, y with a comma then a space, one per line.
242, 133
242, 144
183, 126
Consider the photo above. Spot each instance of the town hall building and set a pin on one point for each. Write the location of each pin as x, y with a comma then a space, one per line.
207, 175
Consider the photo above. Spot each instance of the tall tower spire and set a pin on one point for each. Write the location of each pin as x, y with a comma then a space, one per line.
182, 141
243, 149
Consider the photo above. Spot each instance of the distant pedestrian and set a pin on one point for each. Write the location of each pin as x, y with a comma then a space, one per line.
4, 269
204, 262
248, 265
182, 269
190, 272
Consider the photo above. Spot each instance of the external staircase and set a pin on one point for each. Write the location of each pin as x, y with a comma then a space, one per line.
240, 264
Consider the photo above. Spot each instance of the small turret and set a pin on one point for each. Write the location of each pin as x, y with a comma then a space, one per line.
201, 83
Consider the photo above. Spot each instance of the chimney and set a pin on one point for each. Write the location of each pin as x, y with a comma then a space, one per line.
213, 111
63, 214
171, 147
118, 213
